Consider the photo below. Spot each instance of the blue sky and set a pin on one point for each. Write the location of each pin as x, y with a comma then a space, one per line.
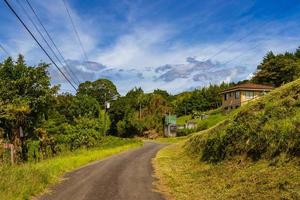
167, 44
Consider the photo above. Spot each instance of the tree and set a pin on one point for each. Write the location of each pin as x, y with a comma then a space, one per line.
278, 69
297, 53
203, 99
26, 97
101, 89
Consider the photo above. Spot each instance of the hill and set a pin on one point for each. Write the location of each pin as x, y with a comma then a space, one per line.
264, 128
253, 154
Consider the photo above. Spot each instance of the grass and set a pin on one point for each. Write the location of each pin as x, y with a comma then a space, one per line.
169, 140
183, 177
214, 117
26, 180
253, 154
182, 119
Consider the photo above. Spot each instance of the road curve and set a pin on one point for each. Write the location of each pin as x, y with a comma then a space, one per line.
125, 176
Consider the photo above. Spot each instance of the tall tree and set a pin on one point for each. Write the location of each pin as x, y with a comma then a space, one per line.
278, 69
101, 89
25, 97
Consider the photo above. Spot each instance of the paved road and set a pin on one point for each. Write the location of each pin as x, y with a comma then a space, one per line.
126, 176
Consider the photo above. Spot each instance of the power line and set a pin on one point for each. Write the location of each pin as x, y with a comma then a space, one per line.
27, 29
55, 46
239, 55
240, 39
4, 50
44, 39
75, 30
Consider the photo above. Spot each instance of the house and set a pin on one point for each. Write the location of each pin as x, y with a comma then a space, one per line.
190, 125
239, 95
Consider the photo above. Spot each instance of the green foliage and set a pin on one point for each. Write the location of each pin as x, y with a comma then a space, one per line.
52, 123
203, 99
185, 132
137, 113
265, 128
278, 69
102, 90
25, 98
213, 117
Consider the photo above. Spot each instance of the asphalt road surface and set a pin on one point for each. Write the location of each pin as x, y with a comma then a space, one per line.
125, 176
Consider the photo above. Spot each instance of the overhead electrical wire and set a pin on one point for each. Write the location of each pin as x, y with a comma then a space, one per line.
75, 30
239, 55
240, 39
4, 50
39, 44
52, 41
44, 39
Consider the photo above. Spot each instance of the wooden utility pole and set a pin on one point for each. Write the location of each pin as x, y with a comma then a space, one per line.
104, 125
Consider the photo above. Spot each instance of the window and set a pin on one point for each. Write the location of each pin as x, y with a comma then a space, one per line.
237, 94
226, 96
249, 94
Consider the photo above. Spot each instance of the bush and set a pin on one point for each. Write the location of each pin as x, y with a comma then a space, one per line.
84, 138
185, 132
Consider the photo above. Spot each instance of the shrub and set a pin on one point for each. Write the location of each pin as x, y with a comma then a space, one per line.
84, 138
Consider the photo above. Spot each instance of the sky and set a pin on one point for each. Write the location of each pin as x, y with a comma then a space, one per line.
175, 45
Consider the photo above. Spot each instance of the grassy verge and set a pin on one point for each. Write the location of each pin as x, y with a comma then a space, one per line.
185, 178
24, 181
214, 117
168, 139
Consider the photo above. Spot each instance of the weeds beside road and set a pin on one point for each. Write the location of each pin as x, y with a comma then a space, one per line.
23, 181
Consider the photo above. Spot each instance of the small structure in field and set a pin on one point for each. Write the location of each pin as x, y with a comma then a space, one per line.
239, 95
190, 125
170, 126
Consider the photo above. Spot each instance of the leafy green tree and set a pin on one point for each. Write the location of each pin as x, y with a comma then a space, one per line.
26, 98
203, 99
27, 84
101, 89
278, 69
137, 113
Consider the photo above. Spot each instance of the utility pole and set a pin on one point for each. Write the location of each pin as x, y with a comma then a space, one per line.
140, 110
104, 125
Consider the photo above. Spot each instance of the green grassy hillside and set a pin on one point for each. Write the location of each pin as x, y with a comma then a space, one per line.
264, 128
253, 154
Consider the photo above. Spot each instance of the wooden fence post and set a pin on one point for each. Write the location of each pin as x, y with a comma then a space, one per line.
12, 154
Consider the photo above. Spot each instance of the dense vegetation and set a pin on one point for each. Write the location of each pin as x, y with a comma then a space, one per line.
41, 123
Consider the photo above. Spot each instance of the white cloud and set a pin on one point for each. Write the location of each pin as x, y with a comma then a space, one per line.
150, 45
